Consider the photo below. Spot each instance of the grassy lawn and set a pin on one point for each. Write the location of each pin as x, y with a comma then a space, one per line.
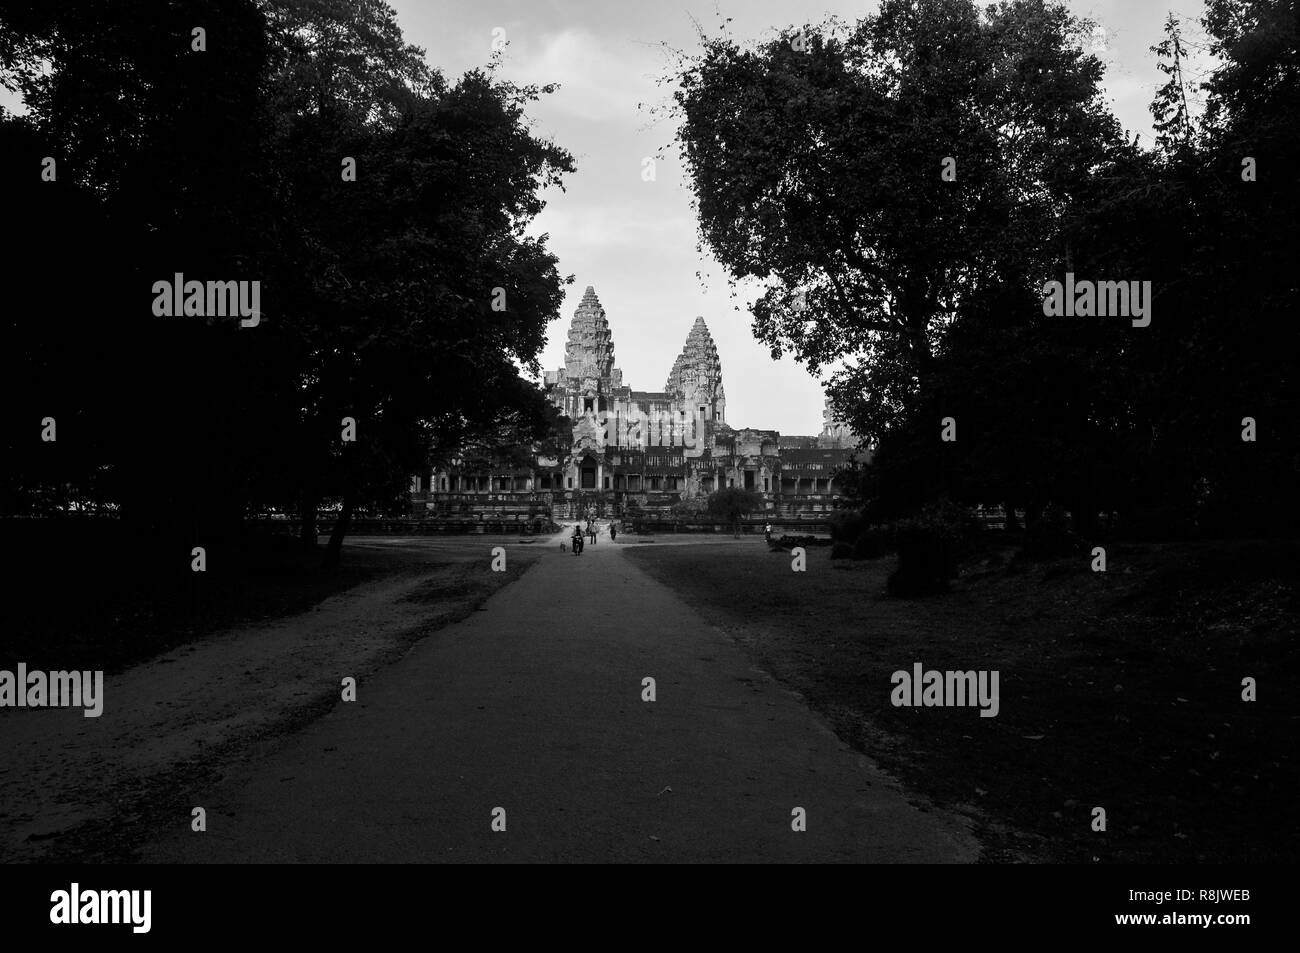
1119, 689
87, 597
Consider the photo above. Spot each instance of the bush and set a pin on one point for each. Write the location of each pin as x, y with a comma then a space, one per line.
1159, 522
1050, 537
929, 546
872, 543
841, 550
926, 560
847, 525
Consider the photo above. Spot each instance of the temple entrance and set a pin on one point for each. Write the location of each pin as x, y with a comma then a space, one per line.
587, 472
749, 479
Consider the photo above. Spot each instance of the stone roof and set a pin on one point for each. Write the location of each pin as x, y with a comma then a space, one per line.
794, 457
798, 442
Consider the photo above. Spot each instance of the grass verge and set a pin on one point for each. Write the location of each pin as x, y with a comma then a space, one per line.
1120, 690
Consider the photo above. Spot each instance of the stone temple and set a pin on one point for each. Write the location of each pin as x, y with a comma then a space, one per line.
645, 453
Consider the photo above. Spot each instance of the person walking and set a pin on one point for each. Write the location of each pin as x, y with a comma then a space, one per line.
767, 532
612, 532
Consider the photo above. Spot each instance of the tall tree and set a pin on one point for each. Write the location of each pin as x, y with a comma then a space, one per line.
406, 298
818, 164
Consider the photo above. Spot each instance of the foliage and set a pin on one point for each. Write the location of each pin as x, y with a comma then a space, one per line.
872, 543
929, 547
846, 525
1050, 537
730, 504
688, 508
817, 174
376, 293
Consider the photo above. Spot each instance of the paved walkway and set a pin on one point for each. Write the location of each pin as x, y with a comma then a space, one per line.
534, 705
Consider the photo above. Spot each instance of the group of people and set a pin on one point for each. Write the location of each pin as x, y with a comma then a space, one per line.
579, 537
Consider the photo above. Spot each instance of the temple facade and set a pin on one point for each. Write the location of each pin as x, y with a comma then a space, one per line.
645, 452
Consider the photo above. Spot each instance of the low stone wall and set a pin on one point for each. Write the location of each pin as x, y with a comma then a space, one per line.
811, 526
532, 526
413, 527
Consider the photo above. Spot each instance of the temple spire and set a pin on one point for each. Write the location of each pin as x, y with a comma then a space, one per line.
697, 373
589, 352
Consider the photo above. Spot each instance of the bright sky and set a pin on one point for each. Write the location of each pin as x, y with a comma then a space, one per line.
635, 241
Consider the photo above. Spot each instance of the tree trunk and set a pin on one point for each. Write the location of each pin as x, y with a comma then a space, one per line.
1084, 516
334, 548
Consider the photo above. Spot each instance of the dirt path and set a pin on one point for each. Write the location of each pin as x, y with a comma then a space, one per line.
69, 782
535, 705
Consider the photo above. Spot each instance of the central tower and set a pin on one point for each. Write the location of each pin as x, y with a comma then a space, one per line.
589, 352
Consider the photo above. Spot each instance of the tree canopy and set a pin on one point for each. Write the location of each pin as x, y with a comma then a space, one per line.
903, 188
405, 295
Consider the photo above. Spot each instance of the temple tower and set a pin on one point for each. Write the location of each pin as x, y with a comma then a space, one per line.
589, 353
835, 432
584, 386
696, 377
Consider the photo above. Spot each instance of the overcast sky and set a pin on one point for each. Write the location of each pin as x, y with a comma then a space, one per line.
635, 241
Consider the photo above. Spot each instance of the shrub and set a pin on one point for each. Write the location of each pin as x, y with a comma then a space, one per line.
872, 543
926, 560
841, 550
1166, 521
847, 525
929, 546
1050, 537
